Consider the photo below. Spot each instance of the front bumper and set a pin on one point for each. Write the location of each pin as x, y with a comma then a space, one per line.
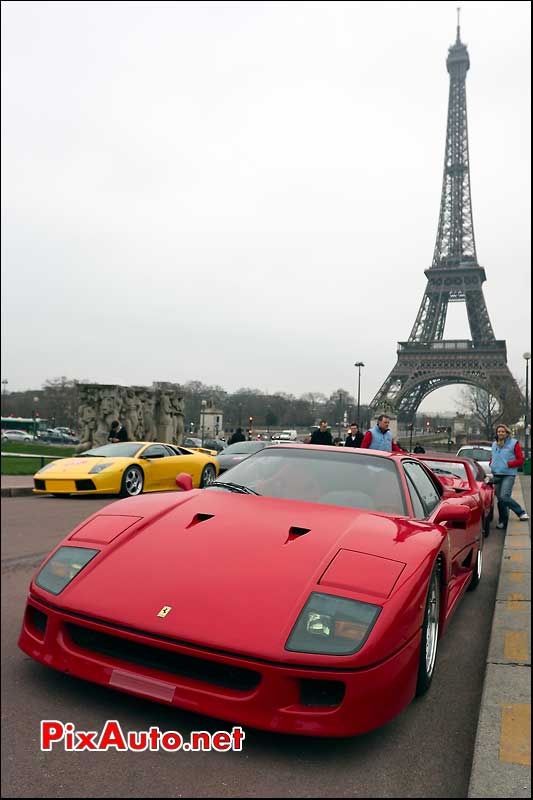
279, 698
80, 484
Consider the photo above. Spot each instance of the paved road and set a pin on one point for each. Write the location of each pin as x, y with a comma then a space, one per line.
426, 752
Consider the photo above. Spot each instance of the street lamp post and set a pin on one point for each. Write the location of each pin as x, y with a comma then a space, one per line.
527, 356
359, 364
4, 386
204, 403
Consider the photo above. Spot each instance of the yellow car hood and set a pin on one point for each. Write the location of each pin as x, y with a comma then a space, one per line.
72, 467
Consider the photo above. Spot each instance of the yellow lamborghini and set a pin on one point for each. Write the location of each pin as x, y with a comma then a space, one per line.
126, 468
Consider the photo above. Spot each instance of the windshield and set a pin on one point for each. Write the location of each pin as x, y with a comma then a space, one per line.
475, 452
243, 447
320, 476
118, 450
446, 467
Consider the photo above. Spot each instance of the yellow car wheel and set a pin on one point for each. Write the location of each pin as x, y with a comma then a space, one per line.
132, 481
208, 475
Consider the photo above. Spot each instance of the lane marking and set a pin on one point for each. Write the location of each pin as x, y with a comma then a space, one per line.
515, 647
517, 605
515, 738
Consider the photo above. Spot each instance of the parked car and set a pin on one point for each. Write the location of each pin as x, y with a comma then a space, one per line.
54, 436
215, 444
305, 592
127, 468
234, 453
192, 441
64, 429
481, 453
15, 435
463, 475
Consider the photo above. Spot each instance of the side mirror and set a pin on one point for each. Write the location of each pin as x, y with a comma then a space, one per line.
450, 512
184, 482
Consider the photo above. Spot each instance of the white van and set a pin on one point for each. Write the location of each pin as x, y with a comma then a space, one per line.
288, 436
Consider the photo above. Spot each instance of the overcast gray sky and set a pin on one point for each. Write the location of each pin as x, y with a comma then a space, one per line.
247, 193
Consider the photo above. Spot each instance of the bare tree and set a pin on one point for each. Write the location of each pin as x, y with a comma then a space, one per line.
483, 407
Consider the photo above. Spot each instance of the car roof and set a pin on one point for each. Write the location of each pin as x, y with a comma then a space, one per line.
444, 457
348, 451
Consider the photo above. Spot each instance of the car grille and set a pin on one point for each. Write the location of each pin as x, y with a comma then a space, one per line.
321, 693
85, 485
168, 661
39, 484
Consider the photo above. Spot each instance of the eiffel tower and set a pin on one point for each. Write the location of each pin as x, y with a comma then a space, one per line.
427, 361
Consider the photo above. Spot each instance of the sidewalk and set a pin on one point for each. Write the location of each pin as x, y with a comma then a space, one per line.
502, 754
17, 485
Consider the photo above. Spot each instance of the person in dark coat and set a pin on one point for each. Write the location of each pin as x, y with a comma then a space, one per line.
355, 437
322, 435
238, 436
418, 448
118, 433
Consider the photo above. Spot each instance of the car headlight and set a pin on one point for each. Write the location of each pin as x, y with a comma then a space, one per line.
332, 625
63, 567
99, 467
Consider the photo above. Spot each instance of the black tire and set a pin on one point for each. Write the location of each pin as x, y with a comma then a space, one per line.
132, 481
430, 634
208, 475
478, 567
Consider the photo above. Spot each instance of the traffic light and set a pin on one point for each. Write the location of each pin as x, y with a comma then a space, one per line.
410, 426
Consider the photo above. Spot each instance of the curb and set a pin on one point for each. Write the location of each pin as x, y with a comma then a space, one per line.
502, 753
16, 491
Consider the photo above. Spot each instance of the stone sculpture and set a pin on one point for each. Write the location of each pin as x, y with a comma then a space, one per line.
148, 414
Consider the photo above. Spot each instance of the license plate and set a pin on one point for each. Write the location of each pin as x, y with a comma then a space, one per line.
60, 486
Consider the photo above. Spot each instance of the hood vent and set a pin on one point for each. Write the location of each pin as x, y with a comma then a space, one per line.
199, 518
295, 533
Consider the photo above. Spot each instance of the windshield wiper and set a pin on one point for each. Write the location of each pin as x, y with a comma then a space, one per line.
234, 487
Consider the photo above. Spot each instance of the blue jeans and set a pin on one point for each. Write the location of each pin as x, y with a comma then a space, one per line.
504, 488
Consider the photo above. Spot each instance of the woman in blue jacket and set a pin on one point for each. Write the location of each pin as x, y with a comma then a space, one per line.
507, 456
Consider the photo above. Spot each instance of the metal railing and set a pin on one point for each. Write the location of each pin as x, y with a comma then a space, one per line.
40, 456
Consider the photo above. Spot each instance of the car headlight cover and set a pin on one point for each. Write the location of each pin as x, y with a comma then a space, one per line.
332, 625
99, 467
46, 466
63, 567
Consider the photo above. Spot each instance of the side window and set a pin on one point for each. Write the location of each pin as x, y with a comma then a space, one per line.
155, 451
424, 485
418, 509
171, 451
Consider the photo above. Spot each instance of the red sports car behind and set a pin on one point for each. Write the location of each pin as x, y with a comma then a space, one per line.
304, 593
464, 476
